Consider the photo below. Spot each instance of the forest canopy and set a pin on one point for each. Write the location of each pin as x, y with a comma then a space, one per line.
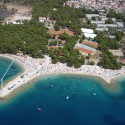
29, 38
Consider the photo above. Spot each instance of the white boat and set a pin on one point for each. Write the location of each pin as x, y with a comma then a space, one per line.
67, 97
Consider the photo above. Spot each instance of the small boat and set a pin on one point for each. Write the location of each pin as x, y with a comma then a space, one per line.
39, 109
67, 97
94, 93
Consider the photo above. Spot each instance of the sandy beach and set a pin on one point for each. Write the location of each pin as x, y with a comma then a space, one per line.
39, 67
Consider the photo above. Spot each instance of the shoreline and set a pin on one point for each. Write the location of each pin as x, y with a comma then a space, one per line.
35, 68
24, 87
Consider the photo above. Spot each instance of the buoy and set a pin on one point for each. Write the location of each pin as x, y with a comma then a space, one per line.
67, 97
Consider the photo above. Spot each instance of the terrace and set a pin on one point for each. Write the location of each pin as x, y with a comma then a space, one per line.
90, 44
84, 49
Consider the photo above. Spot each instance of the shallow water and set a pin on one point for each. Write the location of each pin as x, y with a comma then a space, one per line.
65, 100
14, 70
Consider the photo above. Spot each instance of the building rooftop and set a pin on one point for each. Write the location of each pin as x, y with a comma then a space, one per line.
79, 45
90, 35
85, 30
120, 24
57, 33
90, 43
84, 51
118, 53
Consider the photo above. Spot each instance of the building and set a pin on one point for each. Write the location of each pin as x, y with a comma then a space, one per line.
117, 53
57, 33
123, 61
97, 22
90, 44
42, 19
84, 49
14, 22
74, 3
89, 16
88, 33
120, 25
102, 29
111, 36
85, 30
103, 18
107, 25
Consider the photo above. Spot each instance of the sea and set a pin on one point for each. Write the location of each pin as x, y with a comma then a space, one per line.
64, 100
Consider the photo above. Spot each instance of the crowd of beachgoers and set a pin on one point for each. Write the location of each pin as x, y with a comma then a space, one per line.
38, 67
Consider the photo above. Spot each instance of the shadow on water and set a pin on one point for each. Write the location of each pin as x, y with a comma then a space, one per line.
110, 120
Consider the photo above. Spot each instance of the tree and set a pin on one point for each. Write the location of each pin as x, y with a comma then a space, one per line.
93, 18
56, 26
109, 21
108, 61
92, 63
81, 40
83, 36
29, 38
63, 36
89, 22
119, 35
111, 13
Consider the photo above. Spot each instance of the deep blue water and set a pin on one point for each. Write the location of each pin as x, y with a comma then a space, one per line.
89, 103
13, 71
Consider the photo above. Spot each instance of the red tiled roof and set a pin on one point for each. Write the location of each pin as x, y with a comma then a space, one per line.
85, 50
93, 44
57, 33
123, 61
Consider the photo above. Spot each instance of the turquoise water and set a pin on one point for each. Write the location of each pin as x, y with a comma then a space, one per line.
13, 71
65, 100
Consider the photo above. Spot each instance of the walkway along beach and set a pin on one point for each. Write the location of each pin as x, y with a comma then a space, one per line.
37, 67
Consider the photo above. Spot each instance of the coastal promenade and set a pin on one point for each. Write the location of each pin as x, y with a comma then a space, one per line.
34, 68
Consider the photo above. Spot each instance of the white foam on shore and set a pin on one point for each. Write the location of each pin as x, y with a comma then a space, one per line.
37, 67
